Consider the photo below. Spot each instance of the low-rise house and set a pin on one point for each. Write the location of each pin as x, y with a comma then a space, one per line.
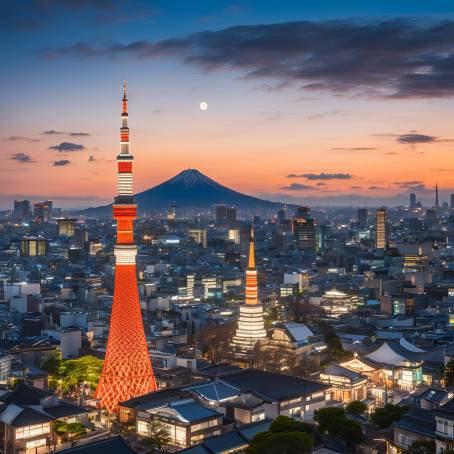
346, 384
417, 425
187, 421
27, 416
281, 394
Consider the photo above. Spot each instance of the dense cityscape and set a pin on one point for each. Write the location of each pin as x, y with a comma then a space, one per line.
195, 315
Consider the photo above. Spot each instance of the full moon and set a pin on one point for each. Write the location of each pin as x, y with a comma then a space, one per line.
203, 105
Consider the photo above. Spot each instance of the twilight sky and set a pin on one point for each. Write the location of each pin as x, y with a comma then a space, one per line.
327, 103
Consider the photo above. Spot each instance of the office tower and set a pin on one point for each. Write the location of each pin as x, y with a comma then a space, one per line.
41, 211
21, 209
251, 326
234, 235
33, 247
437, 203
280, 216
304, 230
190, 282
80, 238
221, 215
322, 235
66, 227
198, 236
126, 371
451, 205
381, 228
231, 220
172, 212
412, 201
362, 218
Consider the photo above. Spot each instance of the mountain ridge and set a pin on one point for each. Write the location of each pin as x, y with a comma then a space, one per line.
191, 189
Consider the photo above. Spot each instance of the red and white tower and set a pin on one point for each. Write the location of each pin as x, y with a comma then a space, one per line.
251, 326
127, 371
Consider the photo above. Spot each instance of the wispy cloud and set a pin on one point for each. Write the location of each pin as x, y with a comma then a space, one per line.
298, 187
22, 139
321, 176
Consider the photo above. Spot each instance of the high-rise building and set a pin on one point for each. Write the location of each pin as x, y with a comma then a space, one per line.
21, 209
66, 227
198, 236
221, 215
362, 218
42, 210
381, 228
33, 247
172, 212
190, 283
251, 326
304, 230
451, 205
127, 371
231, 220
437, 202
412, 201
234, 235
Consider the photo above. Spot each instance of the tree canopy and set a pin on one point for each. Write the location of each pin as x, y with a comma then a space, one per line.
384, 417
356, 407
334, 421
285, 436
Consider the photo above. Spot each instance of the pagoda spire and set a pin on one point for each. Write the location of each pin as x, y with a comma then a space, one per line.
251, 274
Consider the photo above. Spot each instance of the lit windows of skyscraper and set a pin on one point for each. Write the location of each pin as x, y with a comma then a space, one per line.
198, 236
381, 228
66, 227
33, 247
304, 230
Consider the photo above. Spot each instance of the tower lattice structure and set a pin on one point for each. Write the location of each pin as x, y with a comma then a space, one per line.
127, 371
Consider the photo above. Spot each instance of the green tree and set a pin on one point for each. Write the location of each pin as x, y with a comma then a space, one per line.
158, 435
384, 417
285, 436
356, 407
325, 416
285, 424
334, 421
422, 447
280, 443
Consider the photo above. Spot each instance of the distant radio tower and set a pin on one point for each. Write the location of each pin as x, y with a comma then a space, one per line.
127, 371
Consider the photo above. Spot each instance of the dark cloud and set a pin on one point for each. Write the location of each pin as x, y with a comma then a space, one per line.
415, 138
355, 187
401, 58
375, 188
298, 187
410, 185
62, 163
91, 158
320, 183
53, 132
22, 157
79, 134
21, 139
321, 176
67, 147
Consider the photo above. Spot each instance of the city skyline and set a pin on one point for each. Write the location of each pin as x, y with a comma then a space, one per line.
319, 125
